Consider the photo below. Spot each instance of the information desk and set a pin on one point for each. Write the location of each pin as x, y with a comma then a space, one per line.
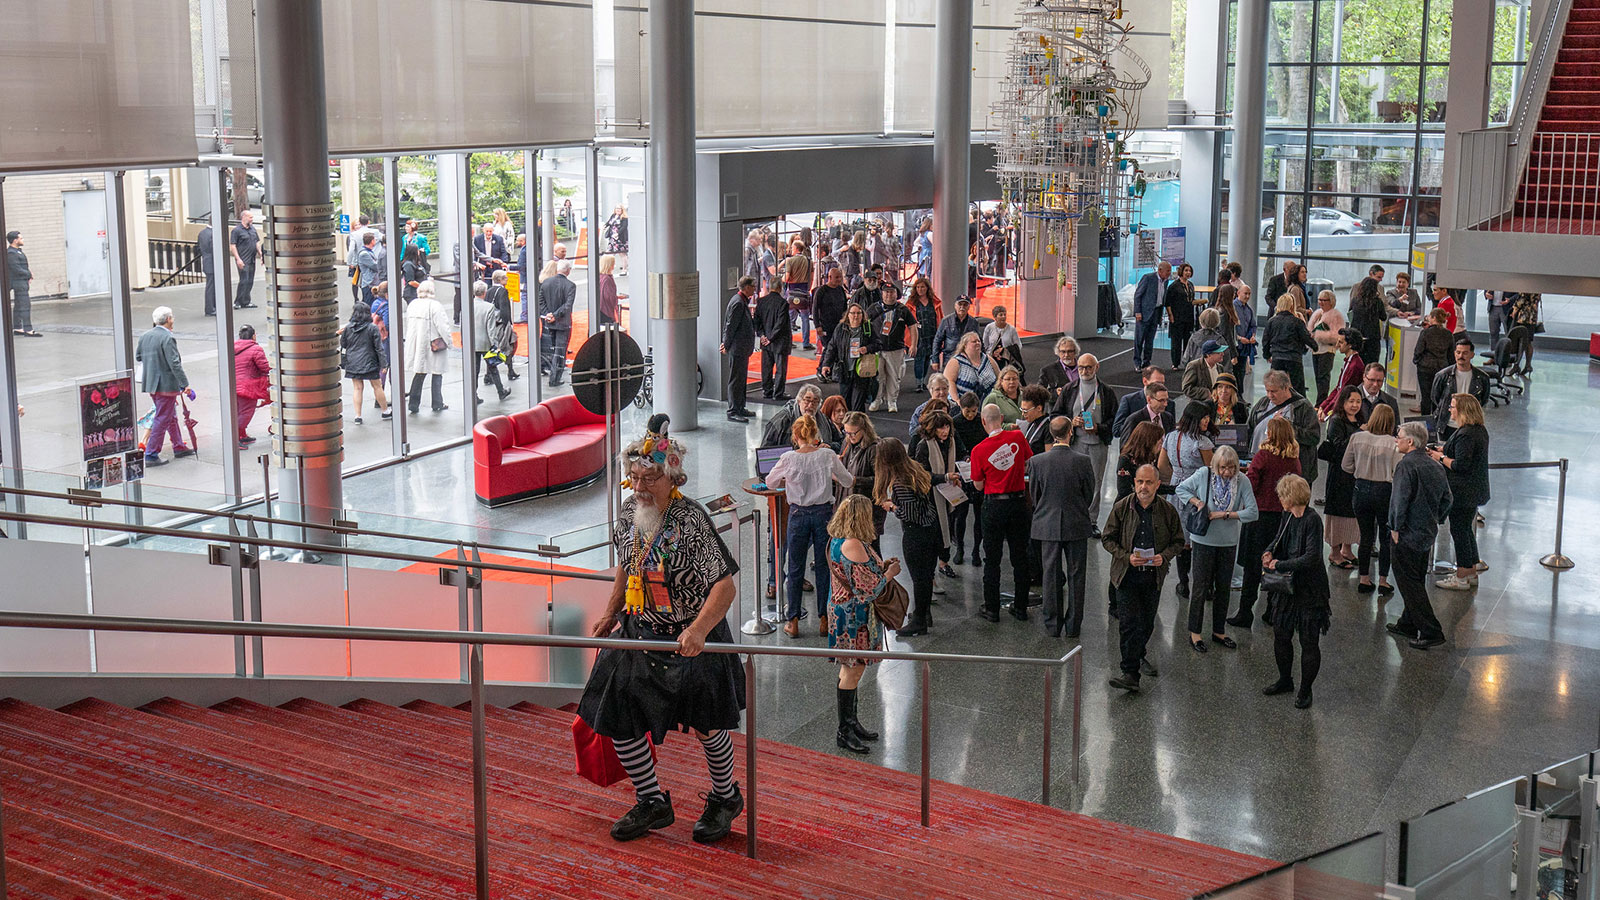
1401, 341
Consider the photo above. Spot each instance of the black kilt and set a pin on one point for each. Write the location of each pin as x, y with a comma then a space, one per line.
632, 693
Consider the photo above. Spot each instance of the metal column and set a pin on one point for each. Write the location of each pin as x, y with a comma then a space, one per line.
303, 296
397, 303
674, 278
591, 186
1249, 136
469, 330
952, 144
218, 182
123, 325
10, 425
547, 216
529, 293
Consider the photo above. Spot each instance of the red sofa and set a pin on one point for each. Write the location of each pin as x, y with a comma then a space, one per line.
555, 446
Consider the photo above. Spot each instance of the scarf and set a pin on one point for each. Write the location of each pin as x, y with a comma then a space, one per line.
937, 465
1086, 391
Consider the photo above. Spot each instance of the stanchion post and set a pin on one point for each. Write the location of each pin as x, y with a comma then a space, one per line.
1556, 560
749, 755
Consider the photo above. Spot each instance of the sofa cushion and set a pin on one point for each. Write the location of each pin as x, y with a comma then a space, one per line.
572, 457
566, 412
532, 426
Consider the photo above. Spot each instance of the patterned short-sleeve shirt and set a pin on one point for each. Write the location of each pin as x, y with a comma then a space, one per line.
690, 552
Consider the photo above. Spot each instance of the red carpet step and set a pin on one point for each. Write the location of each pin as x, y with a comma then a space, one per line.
308, 801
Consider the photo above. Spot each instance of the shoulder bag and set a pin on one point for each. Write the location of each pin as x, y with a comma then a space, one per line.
1272, 580
867, 365
892, 601
1197, 521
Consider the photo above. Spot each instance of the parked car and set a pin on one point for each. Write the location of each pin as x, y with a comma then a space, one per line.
1323, 220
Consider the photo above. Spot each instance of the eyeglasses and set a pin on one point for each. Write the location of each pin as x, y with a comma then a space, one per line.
643, 479
851, 433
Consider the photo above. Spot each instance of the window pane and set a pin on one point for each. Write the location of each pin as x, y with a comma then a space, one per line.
1370, 31
1504, 82
1362, 163
1289, 34
1283, 225
1511, 31
1283, 163
1433, 99
1382, 95
1287, 90
1438, 30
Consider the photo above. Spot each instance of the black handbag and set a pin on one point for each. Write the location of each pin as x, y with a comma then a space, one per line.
1197, 521
1272, 580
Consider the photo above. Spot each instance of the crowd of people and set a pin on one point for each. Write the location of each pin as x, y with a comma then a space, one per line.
1202, 479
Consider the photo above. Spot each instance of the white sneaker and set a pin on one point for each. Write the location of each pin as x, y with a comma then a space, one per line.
1452, 583
894, 407
874, 406
938, 585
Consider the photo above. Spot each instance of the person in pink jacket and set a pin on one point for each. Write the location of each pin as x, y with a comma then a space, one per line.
250, 368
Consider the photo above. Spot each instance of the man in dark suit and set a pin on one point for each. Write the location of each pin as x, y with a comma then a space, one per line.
1147, 300
738, 342
208, 266
556, 297
773, 332
1278, 285
1132, 400
1154, 410
489, 254
1062, 485
1372, 393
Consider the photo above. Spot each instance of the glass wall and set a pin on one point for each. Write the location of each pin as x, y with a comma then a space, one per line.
1354, 156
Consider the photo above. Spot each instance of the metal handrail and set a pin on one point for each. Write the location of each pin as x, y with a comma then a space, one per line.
476, 641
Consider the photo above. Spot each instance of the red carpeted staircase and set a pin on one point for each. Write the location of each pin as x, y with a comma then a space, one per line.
307, 801
1560, 189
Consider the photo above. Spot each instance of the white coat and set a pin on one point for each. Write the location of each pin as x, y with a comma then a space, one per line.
426, 319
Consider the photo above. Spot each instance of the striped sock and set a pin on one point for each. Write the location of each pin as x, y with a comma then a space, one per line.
719, 759
640, 766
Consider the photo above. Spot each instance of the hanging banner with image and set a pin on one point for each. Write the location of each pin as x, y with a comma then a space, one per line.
1174, 244
109, 430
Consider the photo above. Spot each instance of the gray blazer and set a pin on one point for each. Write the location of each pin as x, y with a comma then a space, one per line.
1061, 484
556, 296
163, 367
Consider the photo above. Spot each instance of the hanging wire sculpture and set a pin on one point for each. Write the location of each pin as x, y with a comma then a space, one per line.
1069, 98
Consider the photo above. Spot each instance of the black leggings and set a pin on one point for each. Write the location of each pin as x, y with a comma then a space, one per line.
1372, 513
920, 546
1462, 518
1253, 542
1310, 654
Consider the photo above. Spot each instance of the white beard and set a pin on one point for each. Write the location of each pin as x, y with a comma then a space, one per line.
646, 515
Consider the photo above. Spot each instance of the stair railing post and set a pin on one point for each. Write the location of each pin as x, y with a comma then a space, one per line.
749, 755
1049, 683
927, 713
480, 779
1077, 711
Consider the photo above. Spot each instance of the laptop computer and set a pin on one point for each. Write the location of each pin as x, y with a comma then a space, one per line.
1235, 436
767, 457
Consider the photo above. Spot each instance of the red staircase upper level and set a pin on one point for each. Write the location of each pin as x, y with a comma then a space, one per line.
309, 801
1560, 189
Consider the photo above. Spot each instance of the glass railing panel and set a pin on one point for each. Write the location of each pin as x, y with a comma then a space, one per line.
516, 603
1351, 871
160, 584
1462, 849
404, 600
45, 577
299, 594
44, 506
1555, 789
1277, 884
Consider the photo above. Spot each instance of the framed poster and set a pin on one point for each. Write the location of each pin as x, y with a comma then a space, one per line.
1174, 244
108, 429
1144, 250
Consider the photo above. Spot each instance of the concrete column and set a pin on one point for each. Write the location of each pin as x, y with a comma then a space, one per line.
547, 216
10, 426
1249, 137
397, 304
218, 182
674, 280
452, 234
299, 250
1200, 150
350, 191
1471, 51
952, 144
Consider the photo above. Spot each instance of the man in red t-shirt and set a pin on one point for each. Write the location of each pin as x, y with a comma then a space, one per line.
999, 463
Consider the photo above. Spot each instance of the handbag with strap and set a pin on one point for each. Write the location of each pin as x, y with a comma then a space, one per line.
892, 602
1272, 580
1197, 521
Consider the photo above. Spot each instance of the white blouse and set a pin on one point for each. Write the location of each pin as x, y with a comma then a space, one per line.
807, 478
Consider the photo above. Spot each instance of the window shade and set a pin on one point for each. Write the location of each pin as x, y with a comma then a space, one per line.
95, 84
421, 75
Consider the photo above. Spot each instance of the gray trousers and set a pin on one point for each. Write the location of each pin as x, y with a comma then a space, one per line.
21, 310
1097, 453
1072, 576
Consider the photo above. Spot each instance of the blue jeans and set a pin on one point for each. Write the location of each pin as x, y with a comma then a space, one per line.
808, 529
920, 362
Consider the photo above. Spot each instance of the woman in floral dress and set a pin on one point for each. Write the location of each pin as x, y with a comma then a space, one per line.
858, 577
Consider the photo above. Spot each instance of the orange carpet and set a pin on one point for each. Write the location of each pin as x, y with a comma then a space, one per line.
499, 575
580, 330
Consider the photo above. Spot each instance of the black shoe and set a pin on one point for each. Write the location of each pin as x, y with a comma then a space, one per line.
1199, 646
916, 630
386, 414
1278, 687
977, 561
646, 816
504, 395
1071, 633
960, 556
1225, 641
717, 820
154, 461
1146, 669
847, 740
990, 614
735, 417
1386, 589
1365, 587
245, 306
746, 411
1183, 589
356, 420
1128, 683
855, 723
514, 375
1241, 621
946, 571
1425, 643
441, 408
180, 454
1303, 701
1019, 613
1094, 533
413, 410
807, 586
1396, 629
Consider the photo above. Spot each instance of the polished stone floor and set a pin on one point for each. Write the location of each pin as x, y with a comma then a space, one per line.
1200, 752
